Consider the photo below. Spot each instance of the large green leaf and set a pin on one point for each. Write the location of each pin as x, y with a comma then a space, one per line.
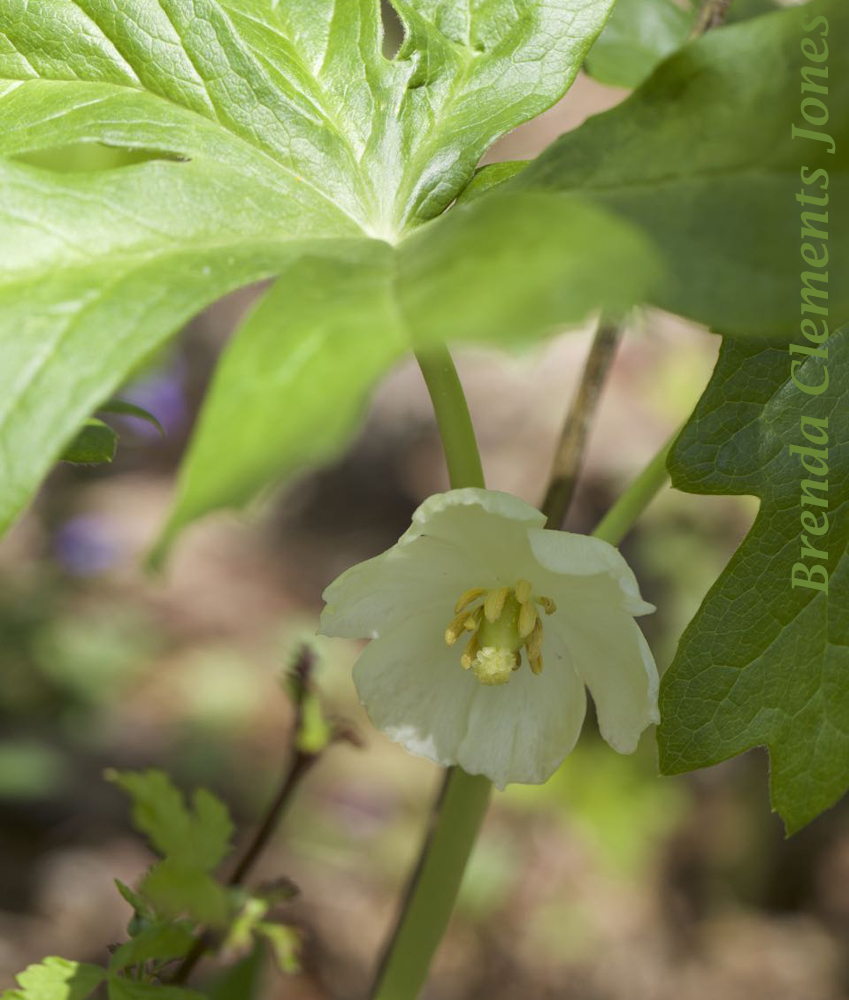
701, 157
638, 36
293, 381
300, 91
466, 74
512, 266
91, 283
274, 129
764, 662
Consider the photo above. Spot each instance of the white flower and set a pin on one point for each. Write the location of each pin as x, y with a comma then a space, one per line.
543, 613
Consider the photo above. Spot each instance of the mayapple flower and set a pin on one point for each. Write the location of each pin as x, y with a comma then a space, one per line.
485, 627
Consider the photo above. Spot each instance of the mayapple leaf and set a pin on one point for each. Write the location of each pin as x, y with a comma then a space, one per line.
488, 177
765, 660
95, 444
639, 35
271, 129
642, 33
291, 386
742, 10
293, 381
514, 266
702, 159
90, 286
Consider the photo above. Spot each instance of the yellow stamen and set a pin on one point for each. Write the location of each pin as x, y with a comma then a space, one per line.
494, 603
473, 620
468, 598
527, 619
502, 621
533, 644
469, 654
456, 629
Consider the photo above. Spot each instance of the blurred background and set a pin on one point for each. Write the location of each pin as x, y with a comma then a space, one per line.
608, 883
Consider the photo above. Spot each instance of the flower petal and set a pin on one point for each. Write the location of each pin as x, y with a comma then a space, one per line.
412, 578
581, 556
610, 653
458, 540
522, 730
414, 689
491, 527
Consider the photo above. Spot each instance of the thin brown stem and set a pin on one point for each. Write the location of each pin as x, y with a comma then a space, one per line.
711, 15
299, 763
569, 456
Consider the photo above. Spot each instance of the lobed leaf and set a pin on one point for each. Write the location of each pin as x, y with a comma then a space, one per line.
275, 130
198, 838
764, 662
638, 37
128, 989
502, 269
57, 979
160, 942
701, 158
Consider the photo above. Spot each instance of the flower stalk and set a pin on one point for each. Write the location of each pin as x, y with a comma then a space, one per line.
463, 799
461, 806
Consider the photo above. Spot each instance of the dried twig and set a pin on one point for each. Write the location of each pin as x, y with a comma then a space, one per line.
569, 456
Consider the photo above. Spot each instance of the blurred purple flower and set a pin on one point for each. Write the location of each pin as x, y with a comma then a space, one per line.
162, 395
84, 546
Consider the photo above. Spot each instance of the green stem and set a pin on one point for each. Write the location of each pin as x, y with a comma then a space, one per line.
463, 800
432, 892
452, 418
617, 522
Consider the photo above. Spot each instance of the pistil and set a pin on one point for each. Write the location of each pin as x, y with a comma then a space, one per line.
502, 621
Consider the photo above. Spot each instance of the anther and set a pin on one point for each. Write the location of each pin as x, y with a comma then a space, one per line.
523, 591
494, 603
469, 654
456, 629
468, 598
534, 641
536, 664
473, 621
527, 619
